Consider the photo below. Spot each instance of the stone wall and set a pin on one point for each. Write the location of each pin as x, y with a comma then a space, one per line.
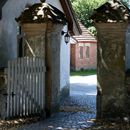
111, 70
3, 93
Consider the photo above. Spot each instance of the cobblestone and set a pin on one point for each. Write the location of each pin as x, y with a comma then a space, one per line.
76, 110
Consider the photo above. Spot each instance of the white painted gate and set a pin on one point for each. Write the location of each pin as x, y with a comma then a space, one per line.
26, 87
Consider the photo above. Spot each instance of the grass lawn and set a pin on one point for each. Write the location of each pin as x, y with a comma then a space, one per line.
83, 73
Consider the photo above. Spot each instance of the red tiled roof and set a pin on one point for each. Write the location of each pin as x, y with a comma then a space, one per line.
85, 37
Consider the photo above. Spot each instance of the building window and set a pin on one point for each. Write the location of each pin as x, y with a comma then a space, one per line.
81, 52
87, 51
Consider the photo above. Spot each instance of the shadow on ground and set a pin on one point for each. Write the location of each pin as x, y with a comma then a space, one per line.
76, 111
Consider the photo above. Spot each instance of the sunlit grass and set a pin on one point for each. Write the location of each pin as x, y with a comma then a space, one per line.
83, 73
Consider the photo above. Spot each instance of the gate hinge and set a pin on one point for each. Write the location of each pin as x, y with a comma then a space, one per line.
12, 94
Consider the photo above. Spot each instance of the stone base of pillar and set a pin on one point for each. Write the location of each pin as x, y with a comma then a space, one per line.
65, 91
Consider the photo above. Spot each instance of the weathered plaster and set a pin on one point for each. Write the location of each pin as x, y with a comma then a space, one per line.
55, 55
65, 66
8, 26
55, 3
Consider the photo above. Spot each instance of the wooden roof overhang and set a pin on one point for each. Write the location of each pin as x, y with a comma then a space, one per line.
70, 15
2, 2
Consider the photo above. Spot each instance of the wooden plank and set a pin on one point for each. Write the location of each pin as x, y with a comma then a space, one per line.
34, 83
18, 86
21, 84
26, 87
30, 81
42, 84
8, 91
40, 90
15, 88
38, 84
41, 78
29, 84
11, 87
32, 86
22, 90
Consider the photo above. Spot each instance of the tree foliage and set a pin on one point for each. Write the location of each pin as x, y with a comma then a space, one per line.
84, 9
125, 2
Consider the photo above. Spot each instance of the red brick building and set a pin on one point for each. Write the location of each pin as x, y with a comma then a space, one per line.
83, 50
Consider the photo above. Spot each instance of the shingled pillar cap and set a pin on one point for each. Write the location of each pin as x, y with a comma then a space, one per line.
41, 13
112, 11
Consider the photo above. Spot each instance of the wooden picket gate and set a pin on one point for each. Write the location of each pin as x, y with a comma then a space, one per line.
25, 87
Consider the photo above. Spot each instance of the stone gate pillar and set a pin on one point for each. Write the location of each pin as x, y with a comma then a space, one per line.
42, 25
111, 70
111, 21
53, 48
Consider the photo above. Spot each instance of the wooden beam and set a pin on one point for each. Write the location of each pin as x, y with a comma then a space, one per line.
70, 15
2, 2
0, 13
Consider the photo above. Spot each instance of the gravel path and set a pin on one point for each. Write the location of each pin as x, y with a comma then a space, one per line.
76, 110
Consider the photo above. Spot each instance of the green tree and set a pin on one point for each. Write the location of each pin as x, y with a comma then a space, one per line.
84, 9
125, 2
